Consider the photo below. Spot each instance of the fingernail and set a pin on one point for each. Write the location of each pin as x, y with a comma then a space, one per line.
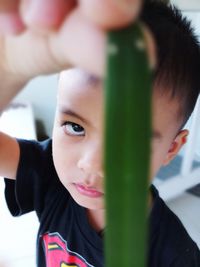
38, 12
32, 11
41, 13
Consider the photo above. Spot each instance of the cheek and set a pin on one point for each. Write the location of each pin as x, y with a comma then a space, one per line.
158, 155
156, 163
64, 158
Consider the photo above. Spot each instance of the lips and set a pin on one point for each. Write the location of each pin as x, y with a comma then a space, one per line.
88, 191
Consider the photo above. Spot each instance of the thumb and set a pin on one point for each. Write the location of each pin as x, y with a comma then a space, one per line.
111, 13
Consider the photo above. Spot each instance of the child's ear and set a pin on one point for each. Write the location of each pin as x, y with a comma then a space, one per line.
176, 145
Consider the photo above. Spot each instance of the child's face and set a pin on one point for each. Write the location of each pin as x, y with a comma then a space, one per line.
78, 137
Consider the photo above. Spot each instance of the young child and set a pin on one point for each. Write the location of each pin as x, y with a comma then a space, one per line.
62, 179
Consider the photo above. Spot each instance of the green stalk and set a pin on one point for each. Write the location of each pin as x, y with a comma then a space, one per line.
127, 147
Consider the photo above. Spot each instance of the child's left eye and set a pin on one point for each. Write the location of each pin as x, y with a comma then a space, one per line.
72, 128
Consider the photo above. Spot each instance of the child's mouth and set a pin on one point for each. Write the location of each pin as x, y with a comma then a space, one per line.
88, 191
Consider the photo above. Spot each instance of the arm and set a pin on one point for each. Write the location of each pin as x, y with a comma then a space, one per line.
39, 50
9, 156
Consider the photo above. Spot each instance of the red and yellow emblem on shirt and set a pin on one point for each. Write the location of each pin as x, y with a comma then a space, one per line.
58, 254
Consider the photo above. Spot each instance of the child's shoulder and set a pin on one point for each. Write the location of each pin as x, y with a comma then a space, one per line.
42, 146
32, 151
168, 237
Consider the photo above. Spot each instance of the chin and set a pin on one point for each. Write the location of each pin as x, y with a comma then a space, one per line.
90, 204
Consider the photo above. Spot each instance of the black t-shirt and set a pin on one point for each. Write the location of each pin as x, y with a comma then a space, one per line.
65, 237
169, 243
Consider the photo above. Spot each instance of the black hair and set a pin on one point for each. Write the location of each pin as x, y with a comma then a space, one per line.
178, 52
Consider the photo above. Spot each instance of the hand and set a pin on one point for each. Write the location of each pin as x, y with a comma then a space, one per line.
52, 34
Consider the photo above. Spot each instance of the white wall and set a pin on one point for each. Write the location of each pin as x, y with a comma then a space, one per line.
187, 4
41, 92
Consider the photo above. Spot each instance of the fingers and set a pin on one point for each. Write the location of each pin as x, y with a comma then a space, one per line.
79, 38
42, 15
106, 13
81, 43
111, 13
45, 14
82, 40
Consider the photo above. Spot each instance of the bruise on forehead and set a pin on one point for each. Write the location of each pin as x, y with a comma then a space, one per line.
71, 75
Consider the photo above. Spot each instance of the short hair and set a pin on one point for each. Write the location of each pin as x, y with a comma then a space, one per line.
178, 53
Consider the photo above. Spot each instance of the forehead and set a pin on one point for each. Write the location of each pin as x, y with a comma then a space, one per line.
77, 79
84, 93
81, 93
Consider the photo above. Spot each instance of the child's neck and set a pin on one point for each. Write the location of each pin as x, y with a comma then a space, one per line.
96, 219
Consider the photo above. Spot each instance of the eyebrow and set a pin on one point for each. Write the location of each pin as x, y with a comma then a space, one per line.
69, 112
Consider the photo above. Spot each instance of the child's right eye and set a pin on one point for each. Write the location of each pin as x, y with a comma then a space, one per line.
72, 128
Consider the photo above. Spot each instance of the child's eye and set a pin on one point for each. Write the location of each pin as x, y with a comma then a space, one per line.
72, 128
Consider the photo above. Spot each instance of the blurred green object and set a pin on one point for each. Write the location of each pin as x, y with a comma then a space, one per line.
127, 147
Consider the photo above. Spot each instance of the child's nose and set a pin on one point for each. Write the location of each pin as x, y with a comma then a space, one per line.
91, 162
